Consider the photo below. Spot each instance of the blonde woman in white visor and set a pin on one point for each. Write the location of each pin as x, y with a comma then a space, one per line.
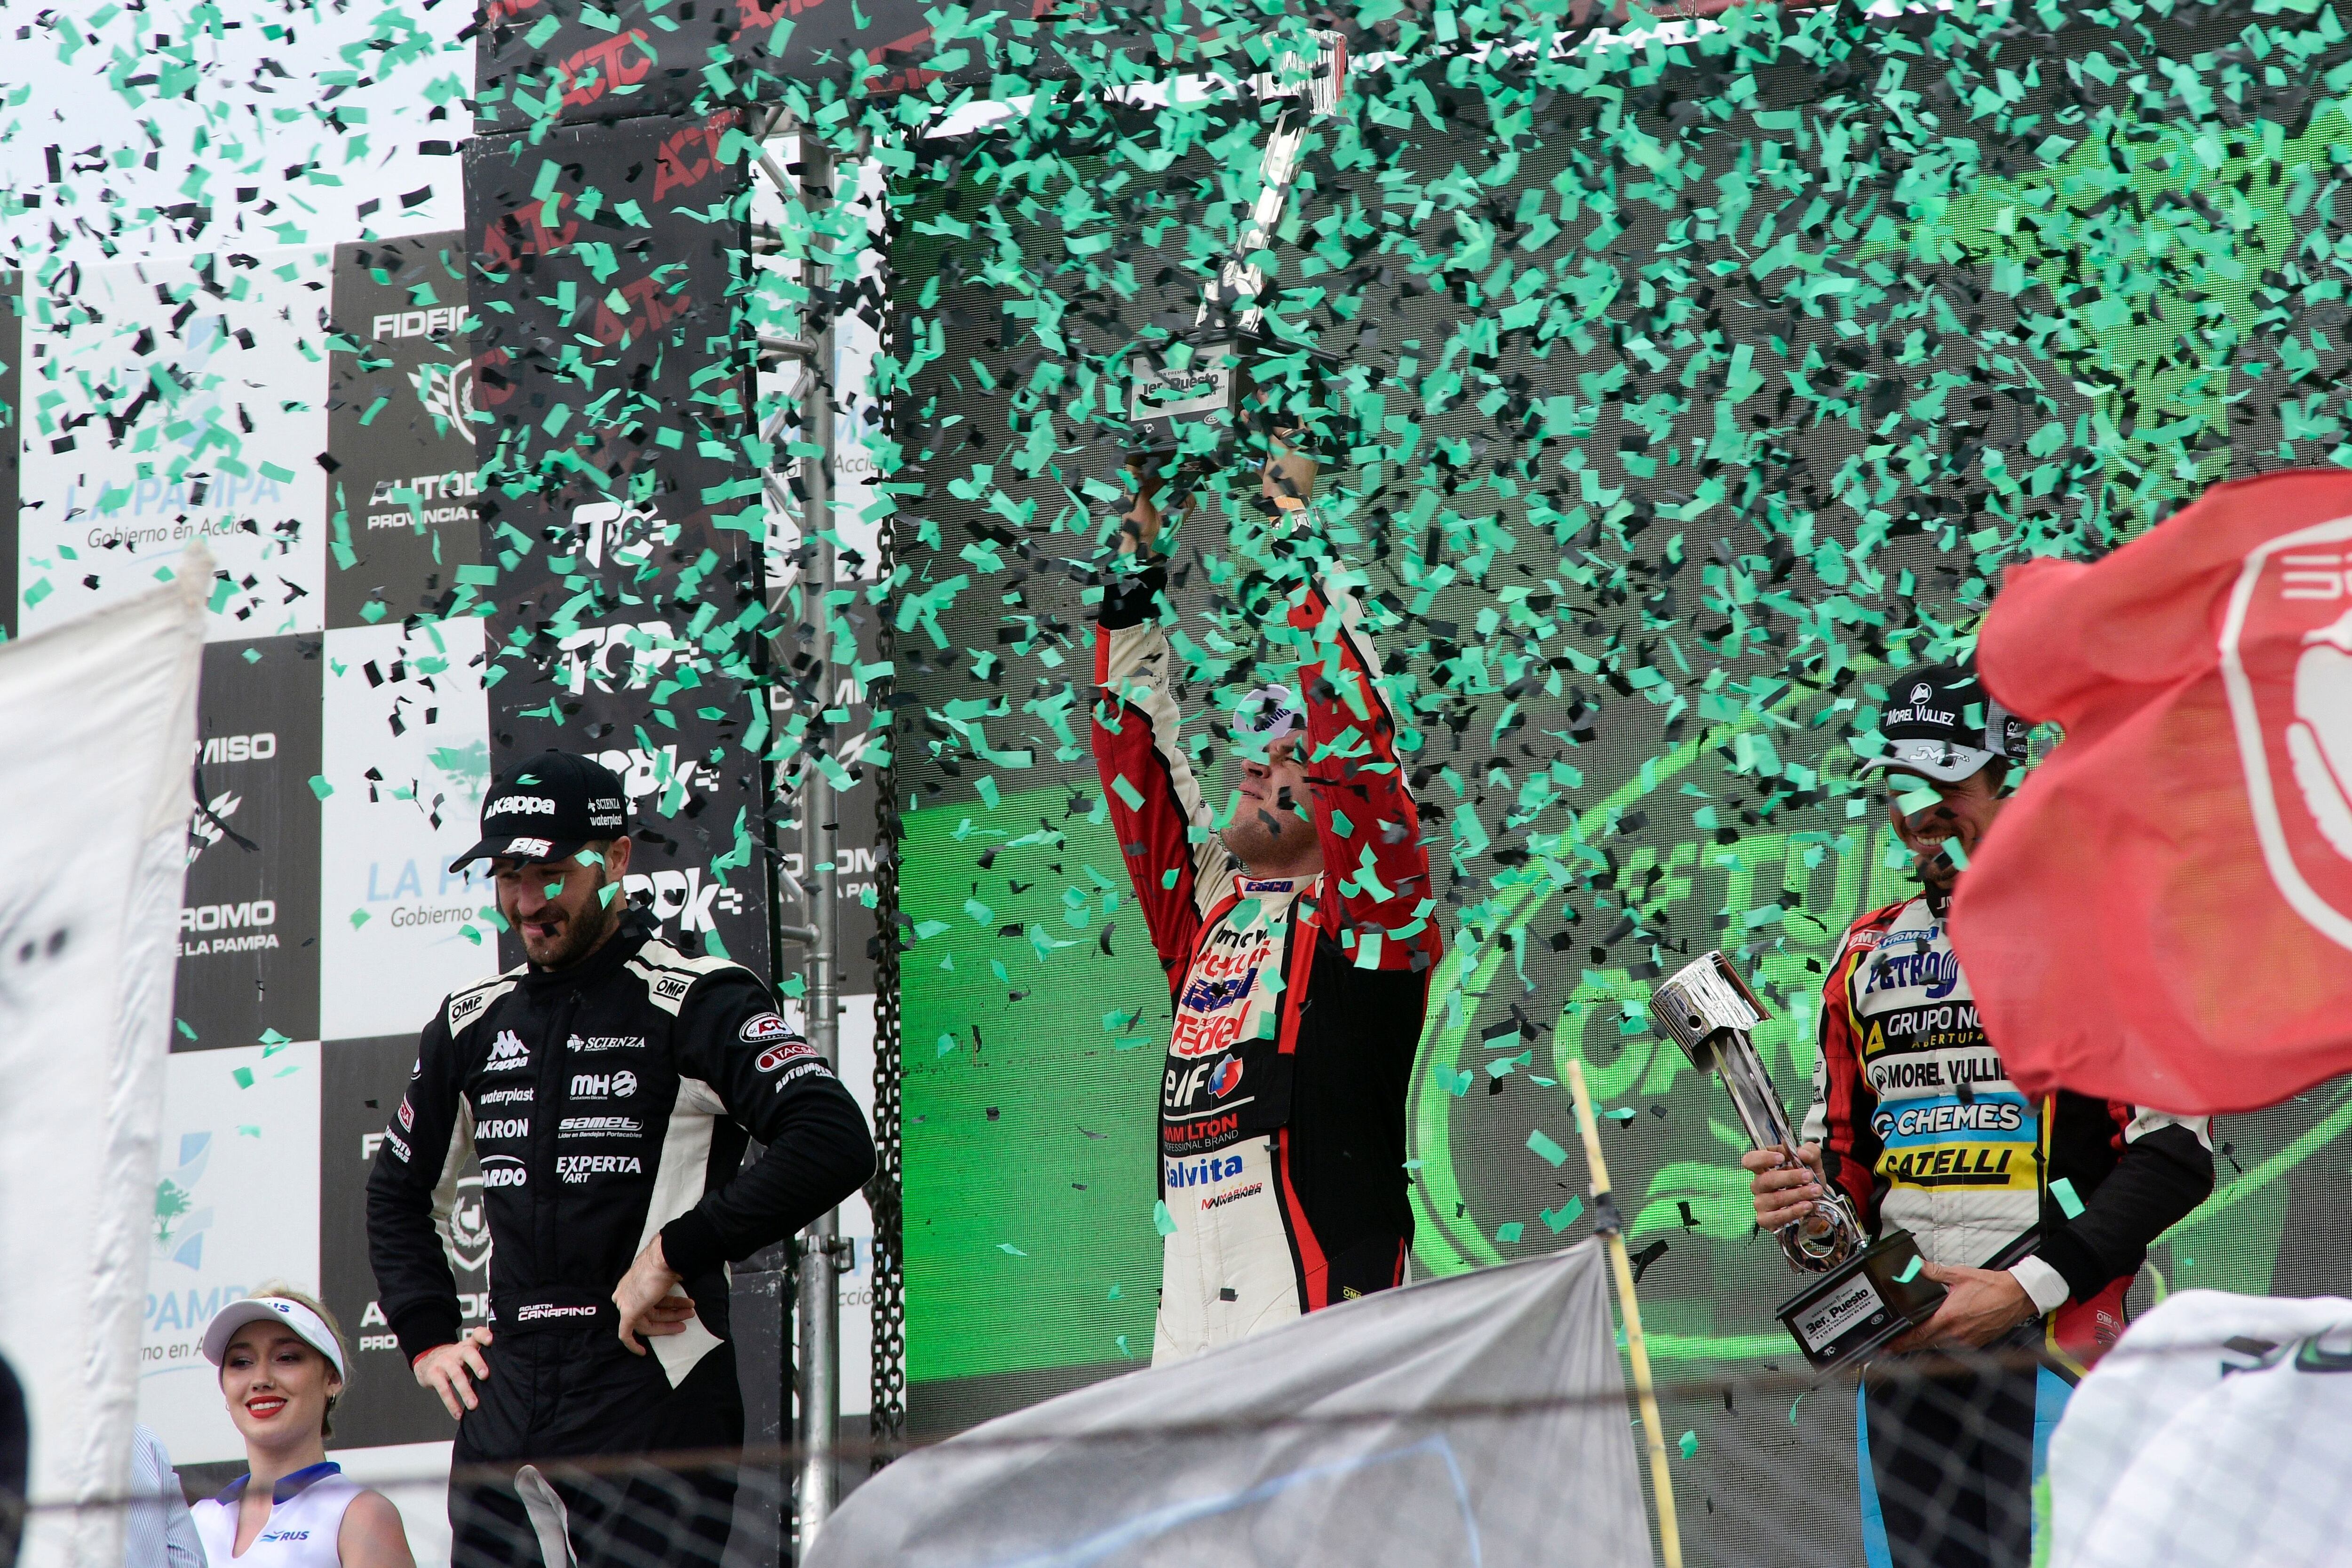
281, 1370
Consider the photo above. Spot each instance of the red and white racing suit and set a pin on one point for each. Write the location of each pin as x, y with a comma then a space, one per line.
1298, 1001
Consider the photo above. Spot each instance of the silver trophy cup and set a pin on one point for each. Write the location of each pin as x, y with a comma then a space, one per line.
1869, 1292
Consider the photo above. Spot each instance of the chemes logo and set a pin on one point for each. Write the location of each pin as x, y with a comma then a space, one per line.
603, 1085
521, 806
503, 1170
580, 1167
259, 746
447, 393
765, 1026
2286, 663
506, 1054
442, 319
775, 1056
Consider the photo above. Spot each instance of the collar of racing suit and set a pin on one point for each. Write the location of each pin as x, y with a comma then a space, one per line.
636, 930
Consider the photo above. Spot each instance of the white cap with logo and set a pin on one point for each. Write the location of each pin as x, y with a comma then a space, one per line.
307, 1326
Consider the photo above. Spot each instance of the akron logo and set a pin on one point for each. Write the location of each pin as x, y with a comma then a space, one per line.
2286, 663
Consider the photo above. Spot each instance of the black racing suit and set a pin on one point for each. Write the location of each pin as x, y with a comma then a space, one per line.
608, 1103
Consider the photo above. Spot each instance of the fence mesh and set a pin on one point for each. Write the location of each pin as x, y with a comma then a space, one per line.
1955, 1463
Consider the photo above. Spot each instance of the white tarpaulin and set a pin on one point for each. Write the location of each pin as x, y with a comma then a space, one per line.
98, 719
1478, 1420
2213, 1434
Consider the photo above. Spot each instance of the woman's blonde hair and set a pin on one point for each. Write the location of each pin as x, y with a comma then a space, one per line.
286, 1293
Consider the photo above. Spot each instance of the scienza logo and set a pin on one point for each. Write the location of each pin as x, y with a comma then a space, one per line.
507, 1051
2286, 663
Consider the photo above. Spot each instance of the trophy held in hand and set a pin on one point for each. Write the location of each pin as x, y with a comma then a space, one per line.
1868, 1293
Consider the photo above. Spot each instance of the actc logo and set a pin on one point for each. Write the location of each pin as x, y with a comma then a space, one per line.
2286, 663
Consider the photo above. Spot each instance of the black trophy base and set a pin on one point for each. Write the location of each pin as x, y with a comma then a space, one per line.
1854, 1309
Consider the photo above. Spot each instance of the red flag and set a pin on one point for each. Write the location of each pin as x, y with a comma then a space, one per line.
2163, 914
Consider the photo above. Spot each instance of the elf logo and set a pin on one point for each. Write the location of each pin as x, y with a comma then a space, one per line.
1182, 1085
259, 746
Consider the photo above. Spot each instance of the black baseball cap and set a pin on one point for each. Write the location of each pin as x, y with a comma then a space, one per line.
546, 806
1941, 722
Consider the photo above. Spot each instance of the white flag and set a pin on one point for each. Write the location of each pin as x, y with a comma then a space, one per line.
98, 724
1480, 1419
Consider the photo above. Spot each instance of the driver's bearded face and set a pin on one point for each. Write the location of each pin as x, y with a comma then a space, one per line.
1272, 830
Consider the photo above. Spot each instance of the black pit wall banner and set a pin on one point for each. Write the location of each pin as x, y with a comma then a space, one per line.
620, 503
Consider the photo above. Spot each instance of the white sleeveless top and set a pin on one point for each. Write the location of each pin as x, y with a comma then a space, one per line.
306, 1514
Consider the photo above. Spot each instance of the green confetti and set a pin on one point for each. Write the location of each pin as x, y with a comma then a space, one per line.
320, 786
2063, 1189
1550, 1153
1688, 1442
1160, 1219
1559, 1219
1910, 1272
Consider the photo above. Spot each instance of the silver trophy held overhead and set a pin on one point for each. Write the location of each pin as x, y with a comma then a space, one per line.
1211, 384
1869, 1292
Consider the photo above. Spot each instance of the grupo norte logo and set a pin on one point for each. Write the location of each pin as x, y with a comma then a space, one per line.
2286, 663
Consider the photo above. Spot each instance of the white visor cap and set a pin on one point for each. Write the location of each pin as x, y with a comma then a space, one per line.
308, 1326
1269, 714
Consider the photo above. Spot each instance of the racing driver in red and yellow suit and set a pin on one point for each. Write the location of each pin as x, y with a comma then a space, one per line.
1298, 934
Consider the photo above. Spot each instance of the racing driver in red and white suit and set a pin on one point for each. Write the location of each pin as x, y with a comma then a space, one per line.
1297, 932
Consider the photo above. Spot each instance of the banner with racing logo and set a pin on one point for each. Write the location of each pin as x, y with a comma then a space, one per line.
400, 430
620, 492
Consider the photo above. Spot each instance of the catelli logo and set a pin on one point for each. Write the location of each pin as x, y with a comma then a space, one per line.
2286, 663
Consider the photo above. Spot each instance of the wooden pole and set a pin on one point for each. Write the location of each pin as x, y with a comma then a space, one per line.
1610, 1228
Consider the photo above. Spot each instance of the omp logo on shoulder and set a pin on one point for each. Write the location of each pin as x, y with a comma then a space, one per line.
462, 1010
507, 1052
580, 1167
259, 746
521, 806
672, 987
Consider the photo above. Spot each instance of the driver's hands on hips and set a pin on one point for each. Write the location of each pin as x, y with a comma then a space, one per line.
451, 1370
1784, 1193
645, 1298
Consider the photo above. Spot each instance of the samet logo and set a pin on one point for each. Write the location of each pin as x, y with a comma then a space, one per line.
259, 746
2286, 663
506, 1054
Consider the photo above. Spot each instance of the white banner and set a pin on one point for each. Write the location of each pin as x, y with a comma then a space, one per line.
100, 716
1476, 1420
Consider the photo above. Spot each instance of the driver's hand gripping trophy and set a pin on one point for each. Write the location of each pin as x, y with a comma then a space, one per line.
1870, 1292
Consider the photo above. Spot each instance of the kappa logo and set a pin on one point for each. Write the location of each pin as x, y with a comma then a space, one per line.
508, 1053
765, 1026
2286, 664
521, 806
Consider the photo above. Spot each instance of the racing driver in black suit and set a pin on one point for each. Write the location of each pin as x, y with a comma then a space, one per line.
610, 1086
